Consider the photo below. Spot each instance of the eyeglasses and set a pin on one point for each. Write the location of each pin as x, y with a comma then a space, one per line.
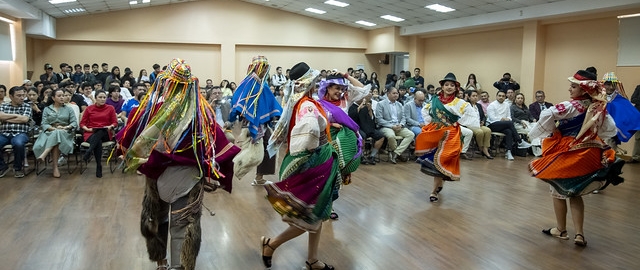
539, 96
216, 93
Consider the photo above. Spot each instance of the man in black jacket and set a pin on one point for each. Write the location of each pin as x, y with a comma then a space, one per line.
506, 83
539, 105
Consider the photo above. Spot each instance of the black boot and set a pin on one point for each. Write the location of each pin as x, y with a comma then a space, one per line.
99, 170
97, 154
86, 156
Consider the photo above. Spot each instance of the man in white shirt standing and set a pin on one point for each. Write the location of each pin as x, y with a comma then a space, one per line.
499, 120
278, 80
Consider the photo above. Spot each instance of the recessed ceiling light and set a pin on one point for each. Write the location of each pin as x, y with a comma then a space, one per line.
365, 23
392, 18
336, 3
135, 2
146, 1
74, 10
439, 8
316, 11
55, 2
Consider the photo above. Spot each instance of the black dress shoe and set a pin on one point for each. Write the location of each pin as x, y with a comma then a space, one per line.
465, 156
401, 158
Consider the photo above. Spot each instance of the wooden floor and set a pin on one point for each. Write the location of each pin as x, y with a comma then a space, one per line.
489, 220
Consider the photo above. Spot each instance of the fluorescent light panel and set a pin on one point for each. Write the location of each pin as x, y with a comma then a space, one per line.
628, 16
55, 2
365, 23
316, 11
135, 2
392, 18
146, 1
74, 10
439, 8
6, 20
336, 3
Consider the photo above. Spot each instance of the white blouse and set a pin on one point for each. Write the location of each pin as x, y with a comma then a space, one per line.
567, 110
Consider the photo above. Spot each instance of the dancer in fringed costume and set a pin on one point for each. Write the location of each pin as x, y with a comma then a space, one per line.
575, 160
323, 150
624, 114
173, 139
255, 106
438, 145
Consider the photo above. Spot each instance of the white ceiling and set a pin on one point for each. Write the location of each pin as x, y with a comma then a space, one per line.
413, 11
418, 19
94, 6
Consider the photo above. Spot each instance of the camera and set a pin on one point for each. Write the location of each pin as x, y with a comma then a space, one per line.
505, 79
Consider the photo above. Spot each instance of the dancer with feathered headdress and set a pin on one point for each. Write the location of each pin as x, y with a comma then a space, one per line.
172, 138
256, 107
620, 108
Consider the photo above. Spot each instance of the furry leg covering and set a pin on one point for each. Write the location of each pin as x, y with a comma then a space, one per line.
154, 225
185, 228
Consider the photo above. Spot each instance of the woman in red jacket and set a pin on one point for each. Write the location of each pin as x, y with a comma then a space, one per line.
98, 122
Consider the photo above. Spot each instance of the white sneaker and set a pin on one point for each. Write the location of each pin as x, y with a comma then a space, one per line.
260, 183
62, 160
508, 156
523, 144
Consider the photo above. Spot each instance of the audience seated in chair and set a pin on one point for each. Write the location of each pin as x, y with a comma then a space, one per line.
413, 112
483, 133
362, 113
499, 120
390, 116
98, 123
15, 117
58, 128
539, 105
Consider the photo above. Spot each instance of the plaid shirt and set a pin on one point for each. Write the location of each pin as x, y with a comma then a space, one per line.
13, 129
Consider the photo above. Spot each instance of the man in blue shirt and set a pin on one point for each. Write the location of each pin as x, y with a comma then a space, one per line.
139, 89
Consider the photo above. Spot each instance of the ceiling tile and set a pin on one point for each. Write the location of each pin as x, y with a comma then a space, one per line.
412, 11
509, 5
490, 8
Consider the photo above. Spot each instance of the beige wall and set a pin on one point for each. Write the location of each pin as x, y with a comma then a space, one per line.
486, 54
286, 57
222, 38
386, 40
576, 45
136, 55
